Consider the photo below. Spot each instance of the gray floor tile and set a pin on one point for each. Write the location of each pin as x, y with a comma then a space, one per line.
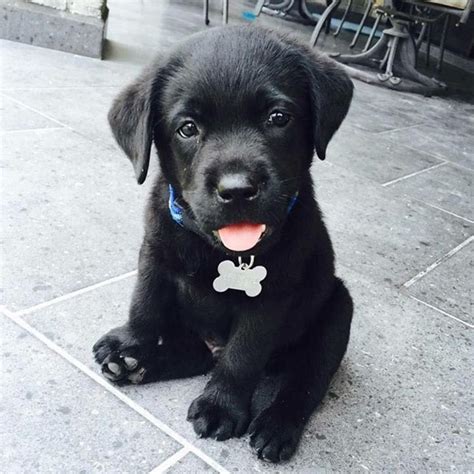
455, 116
371, 114
55, 419
72, 215
376, 110
449, 286
440, 126
83, 109
446, 142
14, 116
380, 233
399, 402
448, 187
443, 112
373, 157
25, 66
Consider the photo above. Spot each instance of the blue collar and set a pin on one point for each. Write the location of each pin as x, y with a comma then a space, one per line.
177, 212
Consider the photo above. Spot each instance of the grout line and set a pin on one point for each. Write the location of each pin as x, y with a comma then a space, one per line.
63, 125
42, 129
416, 173
35, 110
456, 165
442, 312
171, 461
438, 262
39, 88
438, 156
444, 210
400, 128
113, 390
68, 296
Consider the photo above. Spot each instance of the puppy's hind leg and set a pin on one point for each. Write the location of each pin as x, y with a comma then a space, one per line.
286, 401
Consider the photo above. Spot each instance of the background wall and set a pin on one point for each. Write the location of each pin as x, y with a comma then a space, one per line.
94, 8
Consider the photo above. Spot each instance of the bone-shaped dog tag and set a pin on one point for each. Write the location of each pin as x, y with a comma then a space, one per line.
240, 277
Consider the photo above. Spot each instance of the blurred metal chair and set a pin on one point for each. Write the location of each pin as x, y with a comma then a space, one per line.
344, 16
325, 21
367, 10
447, 9
273, 7
379, 14
395, 53
225, 12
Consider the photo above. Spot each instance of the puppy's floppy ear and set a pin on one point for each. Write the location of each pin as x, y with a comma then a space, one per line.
331, 95
131, 122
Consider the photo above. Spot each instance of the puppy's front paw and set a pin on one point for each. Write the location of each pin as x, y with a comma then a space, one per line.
121, 356
274, 436
213, 418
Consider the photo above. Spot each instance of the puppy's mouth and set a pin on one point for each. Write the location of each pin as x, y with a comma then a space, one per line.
241, 237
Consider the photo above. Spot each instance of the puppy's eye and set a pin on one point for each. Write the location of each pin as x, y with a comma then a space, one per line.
278, 118
188, 130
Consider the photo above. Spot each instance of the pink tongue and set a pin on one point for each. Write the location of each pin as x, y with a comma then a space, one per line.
240, 237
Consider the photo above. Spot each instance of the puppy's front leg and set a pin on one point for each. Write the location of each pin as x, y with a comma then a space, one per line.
222, 411
121, 351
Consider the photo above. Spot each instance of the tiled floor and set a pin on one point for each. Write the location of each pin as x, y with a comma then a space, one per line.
396, 191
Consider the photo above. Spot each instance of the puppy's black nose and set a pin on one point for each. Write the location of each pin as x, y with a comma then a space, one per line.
236, 187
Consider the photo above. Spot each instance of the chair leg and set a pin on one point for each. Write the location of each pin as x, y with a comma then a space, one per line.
258, 7
421, 36
225, 12
392, 51
206, 12
327, 23
376, 55
407, 69
428, 46
372, 33
305, 13
343, 19
322, 20
442, 43
362, 23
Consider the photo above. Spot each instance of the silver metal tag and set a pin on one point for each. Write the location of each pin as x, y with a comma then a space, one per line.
240, 277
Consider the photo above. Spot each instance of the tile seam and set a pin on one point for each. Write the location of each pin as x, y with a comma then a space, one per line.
411, 175
444, 210
19, 130
72, 294
163, 427
63, 125
399, 128
439, 310
438, 262
438, 156
12, 89
170, 462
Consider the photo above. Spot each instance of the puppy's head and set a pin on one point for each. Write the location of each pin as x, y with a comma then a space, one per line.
235, 114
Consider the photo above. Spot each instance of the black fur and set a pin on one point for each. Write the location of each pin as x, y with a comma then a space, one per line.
273, 355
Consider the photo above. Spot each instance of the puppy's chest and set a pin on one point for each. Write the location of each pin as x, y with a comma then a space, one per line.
202, 309
211, 315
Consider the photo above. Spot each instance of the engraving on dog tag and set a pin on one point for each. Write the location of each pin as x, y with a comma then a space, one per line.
240, 277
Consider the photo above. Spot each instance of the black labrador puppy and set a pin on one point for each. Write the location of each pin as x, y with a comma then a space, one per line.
236, 270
